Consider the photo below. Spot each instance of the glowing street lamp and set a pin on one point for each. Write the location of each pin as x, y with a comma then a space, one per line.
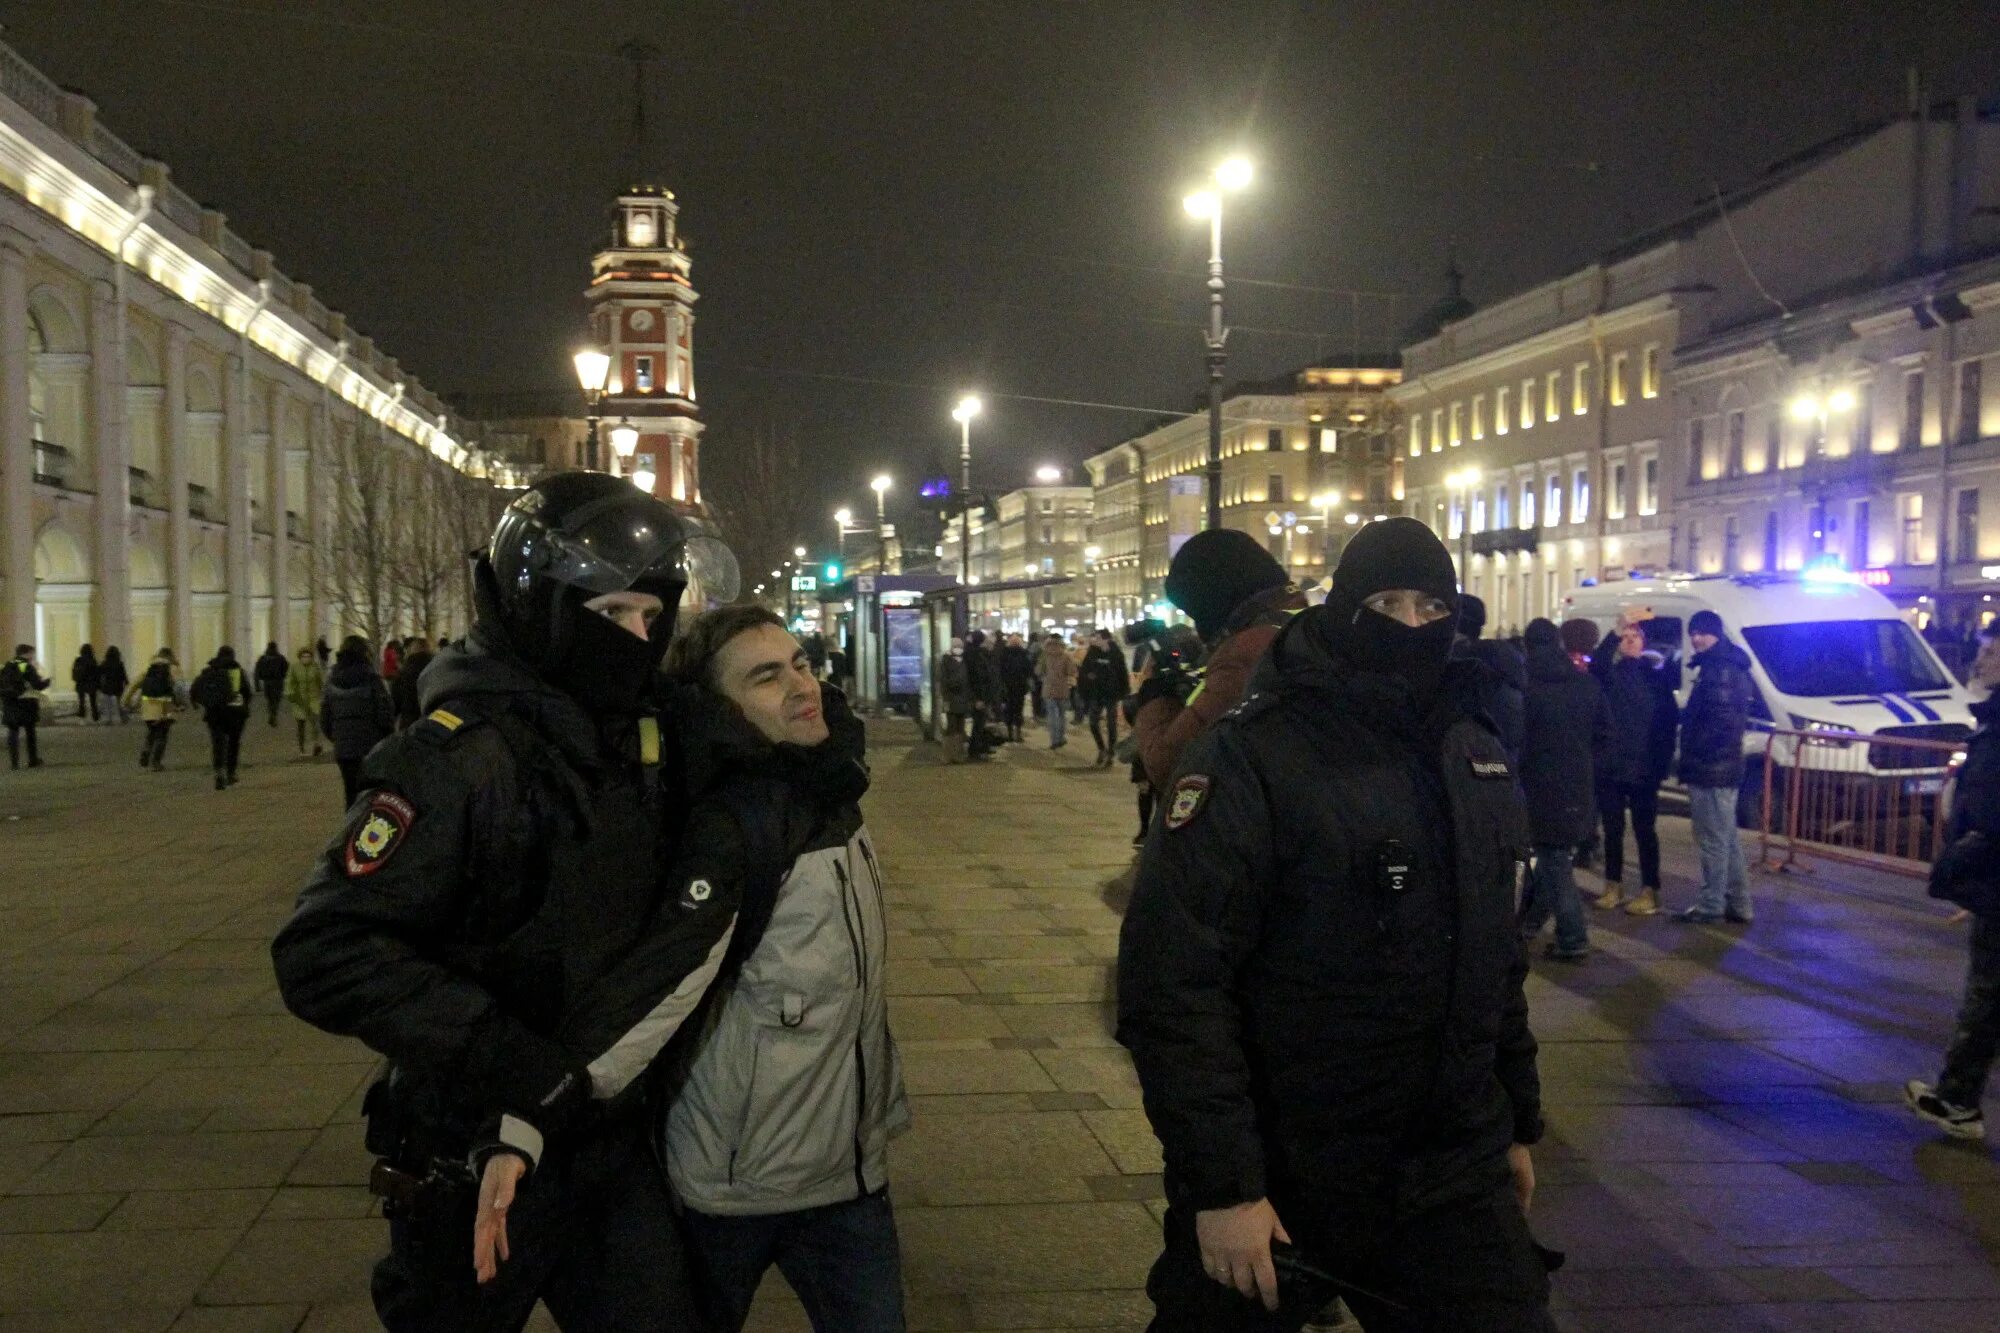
881, 486
968, 408
625, 439
1232, 174
593, 367
1461, 483
1048, 474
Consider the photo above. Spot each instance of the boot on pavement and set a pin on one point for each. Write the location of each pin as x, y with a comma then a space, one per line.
1613, 896
1647, 903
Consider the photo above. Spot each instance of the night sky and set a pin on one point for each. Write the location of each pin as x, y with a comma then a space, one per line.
889, 203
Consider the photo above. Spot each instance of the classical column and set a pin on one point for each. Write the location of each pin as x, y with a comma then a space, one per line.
112, 605
180, 530
319, 513
17, 447
281, 537
236, 499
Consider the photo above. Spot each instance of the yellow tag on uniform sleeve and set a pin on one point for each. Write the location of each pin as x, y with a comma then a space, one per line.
649, 740
448, 720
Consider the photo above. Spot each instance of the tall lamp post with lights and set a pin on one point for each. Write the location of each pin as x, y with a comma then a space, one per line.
1461, 484
881, 486
967, 409
1818, 410
593, 368
1232, 174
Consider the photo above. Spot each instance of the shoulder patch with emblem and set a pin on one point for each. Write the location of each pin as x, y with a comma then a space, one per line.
699, 890
383, 826
1188, 795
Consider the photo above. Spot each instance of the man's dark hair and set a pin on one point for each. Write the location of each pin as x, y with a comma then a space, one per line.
691, 656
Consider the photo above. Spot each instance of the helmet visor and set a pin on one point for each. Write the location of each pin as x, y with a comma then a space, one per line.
713, 578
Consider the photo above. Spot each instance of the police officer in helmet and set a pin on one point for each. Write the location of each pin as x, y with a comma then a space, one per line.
1321, 985
502, 852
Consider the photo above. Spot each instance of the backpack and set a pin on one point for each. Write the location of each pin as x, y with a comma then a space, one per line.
13, 681
211, 689
158, 682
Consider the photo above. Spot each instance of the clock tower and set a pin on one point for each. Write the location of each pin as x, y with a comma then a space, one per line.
641, 310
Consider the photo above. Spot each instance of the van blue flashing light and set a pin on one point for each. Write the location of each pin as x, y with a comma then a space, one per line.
1828, 570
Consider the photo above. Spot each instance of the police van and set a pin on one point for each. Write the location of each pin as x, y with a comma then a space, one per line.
1827, 655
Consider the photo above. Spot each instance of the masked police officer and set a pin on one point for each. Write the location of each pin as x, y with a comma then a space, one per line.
1321, 985
503, 851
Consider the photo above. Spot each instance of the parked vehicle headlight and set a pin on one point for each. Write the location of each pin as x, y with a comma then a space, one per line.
1830, 734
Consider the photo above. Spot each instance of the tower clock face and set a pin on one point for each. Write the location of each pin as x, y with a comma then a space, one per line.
639, 229
641, 320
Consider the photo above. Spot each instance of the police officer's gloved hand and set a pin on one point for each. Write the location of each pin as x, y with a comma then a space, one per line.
1174, 685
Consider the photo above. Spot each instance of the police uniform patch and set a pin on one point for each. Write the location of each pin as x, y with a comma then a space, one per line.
1491, 768
699, 890
1186, 801
381, 831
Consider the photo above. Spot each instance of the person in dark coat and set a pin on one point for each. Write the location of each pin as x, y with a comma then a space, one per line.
982, 678
954, 696
1239, 597
21, 689
224, 692
1644, 718
355, 713
1566, 723
1017, 673
403, 689
83, 675
1104, 681
1711, 765
1320, 980
1579, 639
1968, 874
271, 670
1500, 688
112, 679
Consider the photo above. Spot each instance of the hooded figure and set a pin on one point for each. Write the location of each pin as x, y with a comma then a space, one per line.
1321, 984
1239, 598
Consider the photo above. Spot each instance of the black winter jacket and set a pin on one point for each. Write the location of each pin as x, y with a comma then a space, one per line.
508, 850
355, 712
1103, 678
1644, 715
1568, 724
1501, 682
403, 690
1319, 977
1716, 716
272, 668
1017, 670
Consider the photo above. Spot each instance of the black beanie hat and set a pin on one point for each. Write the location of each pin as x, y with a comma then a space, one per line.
1706, 621
1540, 631
1217, 571
1396, 553
1471, 615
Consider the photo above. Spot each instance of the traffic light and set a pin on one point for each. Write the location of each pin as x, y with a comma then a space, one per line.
833, 571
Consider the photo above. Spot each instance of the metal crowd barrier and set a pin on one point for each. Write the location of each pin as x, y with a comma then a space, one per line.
1874, 800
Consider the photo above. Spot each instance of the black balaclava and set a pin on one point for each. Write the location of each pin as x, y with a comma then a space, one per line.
1217, 571
601, 664
1392, 553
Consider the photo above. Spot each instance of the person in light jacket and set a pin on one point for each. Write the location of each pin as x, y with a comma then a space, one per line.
305, 686
783, 1093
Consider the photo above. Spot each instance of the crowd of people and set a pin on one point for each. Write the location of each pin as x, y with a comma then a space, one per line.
605, 899
350, 699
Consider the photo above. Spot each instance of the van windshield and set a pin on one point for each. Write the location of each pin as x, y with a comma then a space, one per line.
1828, 658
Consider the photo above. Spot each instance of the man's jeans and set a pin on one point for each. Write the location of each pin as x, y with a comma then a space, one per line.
841, 1260
1725, 880
1058, 714
1552, 889
1974, 1041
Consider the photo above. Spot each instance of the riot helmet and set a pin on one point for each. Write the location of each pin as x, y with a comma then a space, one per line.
575, 537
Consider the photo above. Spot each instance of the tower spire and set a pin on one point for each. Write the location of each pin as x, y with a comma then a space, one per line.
638, 147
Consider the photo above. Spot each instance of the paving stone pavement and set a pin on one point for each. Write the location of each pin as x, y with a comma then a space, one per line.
1727, 1148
